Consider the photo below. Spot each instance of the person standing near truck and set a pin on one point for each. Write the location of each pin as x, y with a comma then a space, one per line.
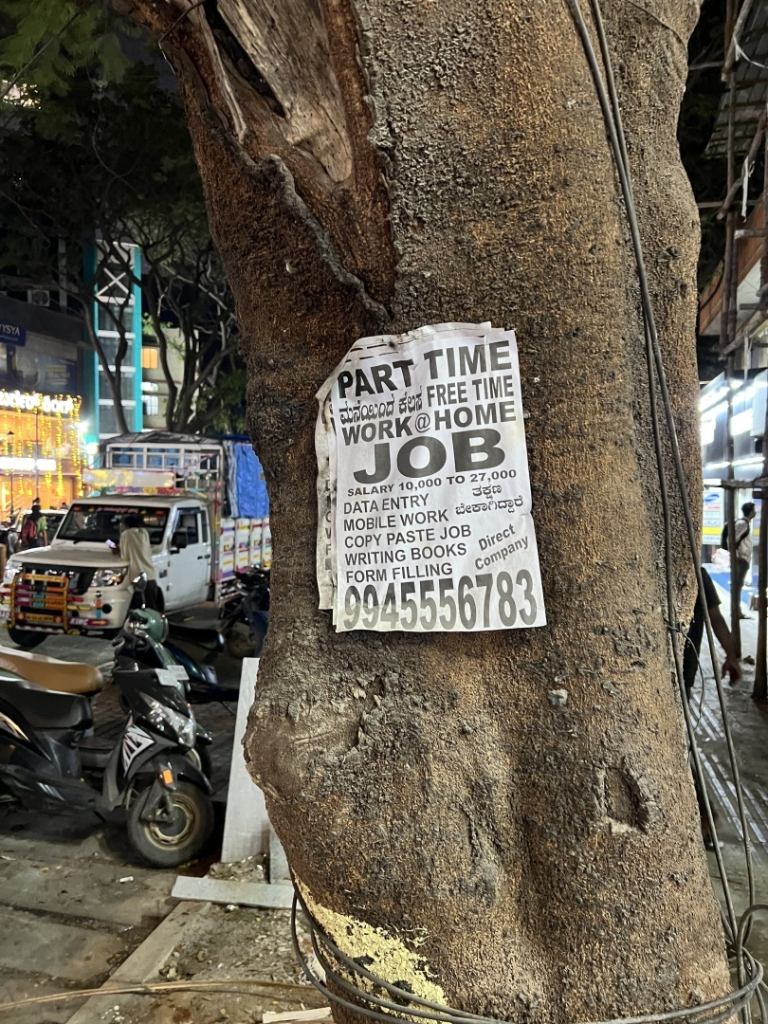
136, 550
34, 530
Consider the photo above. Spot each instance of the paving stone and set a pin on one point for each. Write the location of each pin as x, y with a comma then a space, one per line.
59, 950
88, 890
15, 985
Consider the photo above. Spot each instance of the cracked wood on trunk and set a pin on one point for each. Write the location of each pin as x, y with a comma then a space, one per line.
370, 166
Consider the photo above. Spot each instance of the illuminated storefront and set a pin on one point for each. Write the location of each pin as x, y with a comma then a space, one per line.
40, 449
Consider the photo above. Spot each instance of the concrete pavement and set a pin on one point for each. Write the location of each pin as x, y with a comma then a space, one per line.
75, 901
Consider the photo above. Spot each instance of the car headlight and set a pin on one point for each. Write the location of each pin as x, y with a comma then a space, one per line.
168, 722
108, 577
12, 569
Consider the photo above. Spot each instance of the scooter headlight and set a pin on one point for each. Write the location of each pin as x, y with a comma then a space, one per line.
170, 723
141, 623
188, 733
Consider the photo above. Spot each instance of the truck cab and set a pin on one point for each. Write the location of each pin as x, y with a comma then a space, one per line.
80, 584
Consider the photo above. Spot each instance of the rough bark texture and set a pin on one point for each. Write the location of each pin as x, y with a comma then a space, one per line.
544, 862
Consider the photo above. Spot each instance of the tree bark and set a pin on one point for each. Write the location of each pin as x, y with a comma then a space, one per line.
529, 861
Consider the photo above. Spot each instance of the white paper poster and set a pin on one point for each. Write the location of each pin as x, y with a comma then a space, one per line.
424, 501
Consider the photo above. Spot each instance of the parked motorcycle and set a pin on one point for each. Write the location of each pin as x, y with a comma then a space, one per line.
244, 619
154, 771
157, 642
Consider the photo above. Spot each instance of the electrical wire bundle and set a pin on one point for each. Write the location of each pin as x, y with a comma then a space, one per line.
749, 972
403, 1003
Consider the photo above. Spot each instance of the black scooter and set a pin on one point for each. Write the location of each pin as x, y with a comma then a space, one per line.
153, 772
157, 642
245, 618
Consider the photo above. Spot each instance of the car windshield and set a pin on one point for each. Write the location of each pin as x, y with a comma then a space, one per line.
100, 523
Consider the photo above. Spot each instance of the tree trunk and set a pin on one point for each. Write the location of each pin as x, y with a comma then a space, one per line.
114, 379
376, 166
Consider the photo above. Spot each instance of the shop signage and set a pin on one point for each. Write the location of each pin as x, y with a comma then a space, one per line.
12, 334
37, 402
713, 518
423, 490
138, 481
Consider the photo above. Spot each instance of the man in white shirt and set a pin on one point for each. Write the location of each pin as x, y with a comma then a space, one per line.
743, 546
137, 552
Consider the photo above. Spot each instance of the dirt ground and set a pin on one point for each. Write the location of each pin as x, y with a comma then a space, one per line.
249, 944
225, 944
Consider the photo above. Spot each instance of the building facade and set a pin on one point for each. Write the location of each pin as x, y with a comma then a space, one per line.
116, 314
748, 393
42, 360
154, 383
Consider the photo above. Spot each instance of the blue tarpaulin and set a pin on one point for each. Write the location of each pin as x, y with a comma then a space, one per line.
248, 496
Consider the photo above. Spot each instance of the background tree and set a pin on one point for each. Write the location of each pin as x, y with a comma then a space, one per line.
102, 164
372, 166
190, 314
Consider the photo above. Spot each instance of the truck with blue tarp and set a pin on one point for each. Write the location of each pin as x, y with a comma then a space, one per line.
204, 504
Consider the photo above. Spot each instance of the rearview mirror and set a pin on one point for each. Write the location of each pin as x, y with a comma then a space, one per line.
179, 539
140, 583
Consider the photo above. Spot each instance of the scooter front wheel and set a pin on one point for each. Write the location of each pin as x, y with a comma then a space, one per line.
172, 838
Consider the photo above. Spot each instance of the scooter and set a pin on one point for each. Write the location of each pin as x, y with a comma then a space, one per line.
153, 772
156, 643
245, 618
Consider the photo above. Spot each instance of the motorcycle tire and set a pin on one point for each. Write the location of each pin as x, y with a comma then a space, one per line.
26, 638
245, 641
169, 844
241, 645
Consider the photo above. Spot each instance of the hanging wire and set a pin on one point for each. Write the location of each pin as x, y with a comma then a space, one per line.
612, 114
749, 971
405, 1003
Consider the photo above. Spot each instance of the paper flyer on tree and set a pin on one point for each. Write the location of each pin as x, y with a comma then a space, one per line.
424, 503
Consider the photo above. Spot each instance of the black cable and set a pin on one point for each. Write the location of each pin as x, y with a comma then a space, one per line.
717, 1011
609, 104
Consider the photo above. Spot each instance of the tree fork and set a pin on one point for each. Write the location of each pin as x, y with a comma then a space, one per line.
518, 858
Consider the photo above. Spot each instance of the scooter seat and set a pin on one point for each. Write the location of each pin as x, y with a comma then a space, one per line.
52, 673
45, 709
201, 636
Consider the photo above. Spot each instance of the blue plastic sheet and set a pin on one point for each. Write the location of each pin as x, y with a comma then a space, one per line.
250, 498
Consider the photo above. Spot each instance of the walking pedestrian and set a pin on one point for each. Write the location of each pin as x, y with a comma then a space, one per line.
34, 530
743, 547
731, 668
